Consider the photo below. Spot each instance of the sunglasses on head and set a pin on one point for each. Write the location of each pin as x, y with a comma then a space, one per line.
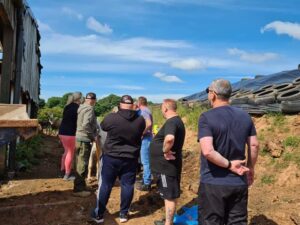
208, 90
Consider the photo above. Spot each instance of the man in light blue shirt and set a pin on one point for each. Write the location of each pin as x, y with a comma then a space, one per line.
146, 139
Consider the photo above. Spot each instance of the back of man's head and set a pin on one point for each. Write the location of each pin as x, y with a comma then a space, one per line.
126, 102
91, 95
142, 101
222, 88
90, 98
170, 104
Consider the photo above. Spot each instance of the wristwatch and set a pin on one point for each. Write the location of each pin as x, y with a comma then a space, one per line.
229, 164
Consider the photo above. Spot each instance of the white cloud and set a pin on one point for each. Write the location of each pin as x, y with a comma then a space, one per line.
100, 28
288, 28
253, 57
133, 49
167, 78
43, 27
128, 87
72, 13
188, 64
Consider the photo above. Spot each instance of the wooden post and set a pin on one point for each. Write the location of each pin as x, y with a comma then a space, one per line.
19, 55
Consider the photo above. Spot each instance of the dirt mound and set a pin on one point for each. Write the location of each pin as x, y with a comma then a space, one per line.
39, 197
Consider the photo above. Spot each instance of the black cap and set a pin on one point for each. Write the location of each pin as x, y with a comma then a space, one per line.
126, 99
91, 95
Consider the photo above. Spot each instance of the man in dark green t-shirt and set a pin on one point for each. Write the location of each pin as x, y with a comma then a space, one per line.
166, 158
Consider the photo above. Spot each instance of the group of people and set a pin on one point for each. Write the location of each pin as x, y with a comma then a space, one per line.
227, 168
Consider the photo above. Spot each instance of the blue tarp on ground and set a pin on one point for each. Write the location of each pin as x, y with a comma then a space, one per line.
254, 84
189, 217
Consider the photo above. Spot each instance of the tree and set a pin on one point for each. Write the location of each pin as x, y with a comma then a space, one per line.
53, 101
106, 104
64, 99
42, 103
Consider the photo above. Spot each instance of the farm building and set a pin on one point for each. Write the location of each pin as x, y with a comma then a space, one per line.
20, 67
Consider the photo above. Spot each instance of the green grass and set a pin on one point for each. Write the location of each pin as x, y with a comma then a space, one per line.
264, 152
268, 179
261, 136
158, 118
191, 115
292, 157
278, 119
292, 141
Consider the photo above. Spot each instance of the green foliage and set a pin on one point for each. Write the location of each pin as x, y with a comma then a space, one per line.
64, 99
268, 179
42, 103
189, 115
44, 113
28, 151
292, 141
53, 102
106, 104
158, 118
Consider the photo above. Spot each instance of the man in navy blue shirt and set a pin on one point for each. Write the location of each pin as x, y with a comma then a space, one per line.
223, 132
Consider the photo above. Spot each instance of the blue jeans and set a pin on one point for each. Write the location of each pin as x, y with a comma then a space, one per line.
145, 158
111, 168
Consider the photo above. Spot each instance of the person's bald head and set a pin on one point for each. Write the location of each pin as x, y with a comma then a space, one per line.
170, 104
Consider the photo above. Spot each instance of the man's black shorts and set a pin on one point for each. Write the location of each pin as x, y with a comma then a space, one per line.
168, 186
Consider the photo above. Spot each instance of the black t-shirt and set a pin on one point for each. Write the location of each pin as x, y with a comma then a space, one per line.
158, 162
230, 128
69, 121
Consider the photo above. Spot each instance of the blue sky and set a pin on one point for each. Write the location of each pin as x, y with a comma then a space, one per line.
162, 48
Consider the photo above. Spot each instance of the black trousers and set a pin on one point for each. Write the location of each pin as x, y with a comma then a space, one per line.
219, 204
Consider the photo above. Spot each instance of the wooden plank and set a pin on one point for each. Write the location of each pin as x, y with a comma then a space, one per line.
19, 123
13, 112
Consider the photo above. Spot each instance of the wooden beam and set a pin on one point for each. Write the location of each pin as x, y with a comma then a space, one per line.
19, 123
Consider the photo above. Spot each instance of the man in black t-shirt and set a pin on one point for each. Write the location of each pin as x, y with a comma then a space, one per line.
166, 158
225, 173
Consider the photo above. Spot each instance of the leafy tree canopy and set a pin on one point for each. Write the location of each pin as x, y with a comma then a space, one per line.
106, 104
53, 101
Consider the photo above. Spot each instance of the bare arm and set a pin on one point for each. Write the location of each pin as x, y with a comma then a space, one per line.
168, 144
208, 151
210, 154
148, 126
253, 148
